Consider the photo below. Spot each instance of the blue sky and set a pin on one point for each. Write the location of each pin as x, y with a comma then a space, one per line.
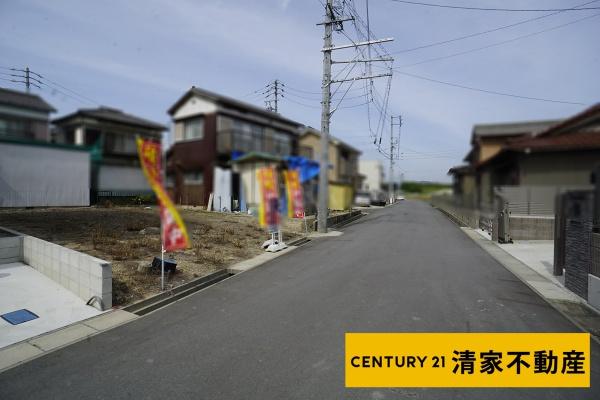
140, 56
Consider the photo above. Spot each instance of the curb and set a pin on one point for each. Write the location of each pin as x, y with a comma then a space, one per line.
38, 346
589, 319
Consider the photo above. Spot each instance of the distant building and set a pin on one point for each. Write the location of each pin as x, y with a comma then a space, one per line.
344, 177
562, 155
474, 186
24, 116
372, 170
111, 134
210, 130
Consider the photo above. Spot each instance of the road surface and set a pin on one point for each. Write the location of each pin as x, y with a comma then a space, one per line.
277, 332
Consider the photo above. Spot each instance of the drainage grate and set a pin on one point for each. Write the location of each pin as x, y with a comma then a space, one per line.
19, 316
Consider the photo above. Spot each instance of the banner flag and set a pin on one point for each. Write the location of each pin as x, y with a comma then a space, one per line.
295, 203
268, 215
174, 234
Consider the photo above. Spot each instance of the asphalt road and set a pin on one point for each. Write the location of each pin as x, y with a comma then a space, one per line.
277, 332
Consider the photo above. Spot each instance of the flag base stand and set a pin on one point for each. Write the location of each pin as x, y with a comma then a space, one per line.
276, 242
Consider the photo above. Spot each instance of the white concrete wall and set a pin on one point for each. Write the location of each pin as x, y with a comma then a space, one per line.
594, 291
41, 176
84, 275
116, 177
195, 106
373, 172
11, 249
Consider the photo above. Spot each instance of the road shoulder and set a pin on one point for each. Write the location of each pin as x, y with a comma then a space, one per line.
564, 301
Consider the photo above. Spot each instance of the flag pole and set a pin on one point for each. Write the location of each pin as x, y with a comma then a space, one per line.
162, 231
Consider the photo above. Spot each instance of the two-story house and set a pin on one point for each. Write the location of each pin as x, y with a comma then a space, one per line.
111, 133
24, 116
210, 130
344, 177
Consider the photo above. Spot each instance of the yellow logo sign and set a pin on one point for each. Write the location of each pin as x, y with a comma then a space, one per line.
467, 360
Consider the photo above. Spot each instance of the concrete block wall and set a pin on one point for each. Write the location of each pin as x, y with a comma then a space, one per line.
11, 249
82, 274
531, 227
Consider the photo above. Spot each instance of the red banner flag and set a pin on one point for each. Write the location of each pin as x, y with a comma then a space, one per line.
174, 234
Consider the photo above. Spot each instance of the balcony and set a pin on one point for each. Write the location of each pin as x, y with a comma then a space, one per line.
232, 140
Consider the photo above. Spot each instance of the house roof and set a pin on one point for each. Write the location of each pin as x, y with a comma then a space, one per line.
24, 100
568, 135
588, 115
110, 115
230, 102
460, 170
338, 142
572, 141
511, 128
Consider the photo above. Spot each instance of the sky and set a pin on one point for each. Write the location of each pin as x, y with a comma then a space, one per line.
141, 56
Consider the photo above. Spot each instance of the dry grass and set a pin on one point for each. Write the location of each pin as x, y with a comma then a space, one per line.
217, 241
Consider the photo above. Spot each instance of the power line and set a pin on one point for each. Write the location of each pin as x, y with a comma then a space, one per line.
416, 3
439, 43
498, 43
491, 91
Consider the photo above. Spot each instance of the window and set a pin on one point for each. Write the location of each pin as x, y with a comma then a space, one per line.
123, 144
170, 181
193, 178
282, 144
193, 129
307, 152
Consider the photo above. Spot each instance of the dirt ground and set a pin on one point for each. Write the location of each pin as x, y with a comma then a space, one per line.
129, 238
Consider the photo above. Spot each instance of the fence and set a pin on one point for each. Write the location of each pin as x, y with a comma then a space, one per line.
533, 200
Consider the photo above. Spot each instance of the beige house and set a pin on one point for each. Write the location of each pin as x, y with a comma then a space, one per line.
344, 177
474, 185
343, 158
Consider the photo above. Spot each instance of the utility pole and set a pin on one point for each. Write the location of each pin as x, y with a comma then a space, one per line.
273, 90
394, 147
276, 93
27, 83
391, 174
334, 22
322, 208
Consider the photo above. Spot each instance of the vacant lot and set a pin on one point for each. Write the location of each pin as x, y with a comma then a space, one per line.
129, 237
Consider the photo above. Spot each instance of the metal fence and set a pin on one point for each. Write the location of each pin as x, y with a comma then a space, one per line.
533, 200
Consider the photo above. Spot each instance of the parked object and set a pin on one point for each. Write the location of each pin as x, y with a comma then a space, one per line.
362, 199
378, 198
170, 265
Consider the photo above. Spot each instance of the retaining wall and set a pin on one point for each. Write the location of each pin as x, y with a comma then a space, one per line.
11, 248
82, 274
531, 227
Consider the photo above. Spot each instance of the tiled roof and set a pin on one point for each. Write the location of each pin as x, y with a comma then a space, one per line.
24, 100
571, 141
112, 115
230, 102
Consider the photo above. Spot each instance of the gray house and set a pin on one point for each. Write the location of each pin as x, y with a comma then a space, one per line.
111, 134
24, 116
